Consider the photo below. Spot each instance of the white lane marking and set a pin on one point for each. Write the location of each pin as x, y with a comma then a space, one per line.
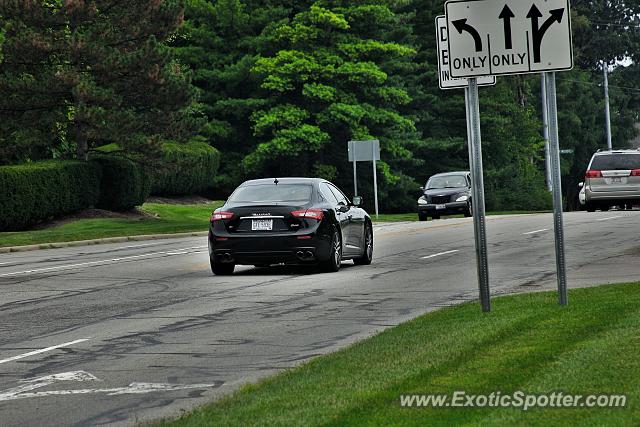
535, 232
440, 254
138, 246
104, 261
608, 218
26, 389
44, 350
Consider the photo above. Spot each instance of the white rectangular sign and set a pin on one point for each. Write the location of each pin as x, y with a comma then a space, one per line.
494, 37
445, 81
364, 151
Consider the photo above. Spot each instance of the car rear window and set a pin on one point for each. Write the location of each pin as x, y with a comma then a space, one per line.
616, 162
272, 193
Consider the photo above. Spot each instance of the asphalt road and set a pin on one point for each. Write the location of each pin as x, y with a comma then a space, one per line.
117, 334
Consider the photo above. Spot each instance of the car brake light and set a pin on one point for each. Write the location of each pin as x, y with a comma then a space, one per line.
221, 216
316, 214
594, 174
635, 172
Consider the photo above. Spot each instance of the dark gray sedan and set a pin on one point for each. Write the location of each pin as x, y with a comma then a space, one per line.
446, 194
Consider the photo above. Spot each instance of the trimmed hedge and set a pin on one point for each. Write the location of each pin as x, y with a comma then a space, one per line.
185, 169
124, 184
36, 192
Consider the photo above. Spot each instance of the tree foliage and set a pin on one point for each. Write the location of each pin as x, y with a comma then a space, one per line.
86, 73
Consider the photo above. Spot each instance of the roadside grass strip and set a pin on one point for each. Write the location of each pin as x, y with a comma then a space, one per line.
527, 344
162, 219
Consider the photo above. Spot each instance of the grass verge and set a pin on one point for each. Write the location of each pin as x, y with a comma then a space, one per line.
159, 219
527, 344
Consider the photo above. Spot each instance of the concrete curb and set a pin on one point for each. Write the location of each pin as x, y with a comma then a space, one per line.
100, 241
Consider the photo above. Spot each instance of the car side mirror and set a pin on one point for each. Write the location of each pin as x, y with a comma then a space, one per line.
581, 185
356, 201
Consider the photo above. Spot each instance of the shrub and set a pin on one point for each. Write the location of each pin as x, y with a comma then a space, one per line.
34, 192
124, 184
185, 169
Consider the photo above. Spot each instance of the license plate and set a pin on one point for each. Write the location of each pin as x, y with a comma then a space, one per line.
616, 180
441, 206
262, 225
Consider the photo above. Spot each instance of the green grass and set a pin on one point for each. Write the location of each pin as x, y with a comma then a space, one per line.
169, 219
528, 343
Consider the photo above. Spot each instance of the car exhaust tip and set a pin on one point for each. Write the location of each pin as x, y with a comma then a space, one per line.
300, 254
308, 255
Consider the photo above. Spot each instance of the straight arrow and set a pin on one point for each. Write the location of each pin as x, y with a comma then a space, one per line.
506, 15
461, 25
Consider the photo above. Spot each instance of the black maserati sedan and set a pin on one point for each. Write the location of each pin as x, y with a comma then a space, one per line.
289, 221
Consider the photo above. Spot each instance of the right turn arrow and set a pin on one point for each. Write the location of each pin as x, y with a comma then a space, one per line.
537, 31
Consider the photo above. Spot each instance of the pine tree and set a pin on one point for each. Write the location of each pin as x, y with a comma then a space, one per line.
220, 42
92, 72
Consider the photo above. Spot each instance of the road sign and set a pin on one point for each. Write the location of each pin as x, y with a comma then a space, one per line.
494, 37
365, 151
445, 80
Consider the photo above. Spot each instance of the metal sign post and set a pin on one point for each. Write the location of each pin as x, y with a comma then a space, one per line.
355, 177
365, 151
477, 195
494, 37
557, 188
607, 112
545, 131
375, 175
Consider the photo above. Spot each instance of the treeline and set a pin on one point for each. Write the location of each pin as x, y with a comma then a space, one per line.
279, 87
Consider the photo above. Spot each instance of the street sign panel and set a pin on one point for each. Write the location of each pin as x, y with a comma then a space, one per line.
364, 151
445, 80
494, 37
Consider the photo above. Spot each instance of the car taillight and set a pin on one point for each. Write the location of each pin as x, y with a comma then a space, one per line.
221, 216
635, 172
593, 174
316, 214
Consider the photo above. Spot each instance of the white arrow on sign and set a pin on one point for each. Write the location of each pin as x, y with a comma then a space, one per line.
495, 37
445, 80
26, 390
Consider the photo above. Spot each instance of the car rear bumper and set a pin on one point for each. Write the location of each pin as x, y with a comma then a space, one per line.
251, 250
450, 209
602, 196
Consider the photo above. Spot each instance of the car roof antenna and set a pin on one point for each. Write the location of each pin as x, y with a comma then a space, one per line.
276, 181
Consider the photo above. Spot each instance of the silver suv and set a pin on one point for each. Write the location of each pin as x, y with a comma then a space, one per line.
613, 179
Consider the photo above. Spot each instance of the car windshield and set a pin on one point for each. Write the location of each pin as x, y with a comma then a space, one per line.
616, 162
272, 193
451, 181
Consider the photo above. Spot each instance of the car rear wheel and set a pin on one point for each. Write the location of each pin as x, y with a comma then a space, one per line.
335, 256
605, 208
590, 207
222, 269
422, 217
366, 258
435, 216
